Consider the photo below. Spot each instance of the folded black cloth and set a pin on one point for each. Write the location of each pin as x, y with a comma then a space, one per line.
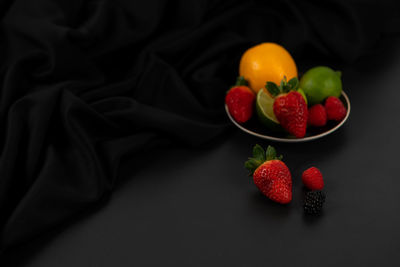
86, 83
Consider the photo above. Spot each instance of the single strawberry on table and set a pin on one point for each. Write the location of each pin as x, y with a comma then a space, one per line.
289, 107
270, 174
240, 101
335, 110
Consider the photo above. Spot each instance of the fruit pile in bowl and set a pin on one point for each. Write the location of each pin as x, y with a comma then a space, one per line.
269, 101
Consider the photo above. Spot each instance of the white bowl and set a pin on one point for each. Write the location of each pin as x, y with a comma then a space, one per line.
255, 128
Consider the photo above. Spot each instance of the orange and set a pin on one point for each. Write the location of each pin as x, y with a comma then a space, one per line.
266, 62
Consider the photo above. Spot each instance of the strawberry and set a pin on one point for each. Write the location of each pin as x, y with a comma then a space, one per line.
240, 101
335, 110
271, 176
290, 108
317, 115
312, 179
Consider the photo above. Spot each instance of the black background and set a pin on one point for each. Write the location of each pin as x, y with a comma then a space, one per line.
122, 96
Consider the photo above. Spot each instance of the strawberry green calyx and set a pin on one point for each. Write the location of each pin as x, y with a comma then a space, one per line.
284, 87
273, 89
259, 157
240, 81
271, 154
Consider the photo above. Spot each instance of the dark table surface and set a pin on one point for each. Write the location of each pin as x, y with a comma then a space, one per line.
186, 207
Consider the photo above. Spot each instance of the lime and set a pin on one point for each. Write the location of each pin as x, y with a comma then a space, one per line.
303, 94
320, 82
265, 112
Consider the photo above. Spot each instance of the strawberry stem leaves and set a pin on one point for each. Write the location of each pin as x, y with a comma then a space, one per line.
259, 153
273, 89
251, 165
259, 157
270, 153
284, 87
241, 81
293, 83
283, 84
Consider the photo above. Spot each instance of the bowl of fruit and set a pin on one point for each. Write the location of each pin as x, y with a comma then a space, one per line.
271, 102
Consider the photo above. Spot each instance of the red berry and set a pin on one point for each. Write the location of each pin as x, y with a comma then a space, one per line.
317, 115
291, 111
312, 179
240, 102
335, 110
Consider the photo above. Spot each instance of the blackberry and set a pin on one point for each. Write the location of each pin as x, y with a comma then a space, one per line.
314, 201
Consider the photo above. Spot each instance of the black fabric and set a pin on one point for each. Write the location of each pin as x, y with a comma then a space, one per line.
85, 84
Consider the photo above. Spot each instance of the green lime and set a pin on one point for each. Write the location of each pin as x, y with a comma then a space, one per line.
320, 82
303, 94
265, 112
